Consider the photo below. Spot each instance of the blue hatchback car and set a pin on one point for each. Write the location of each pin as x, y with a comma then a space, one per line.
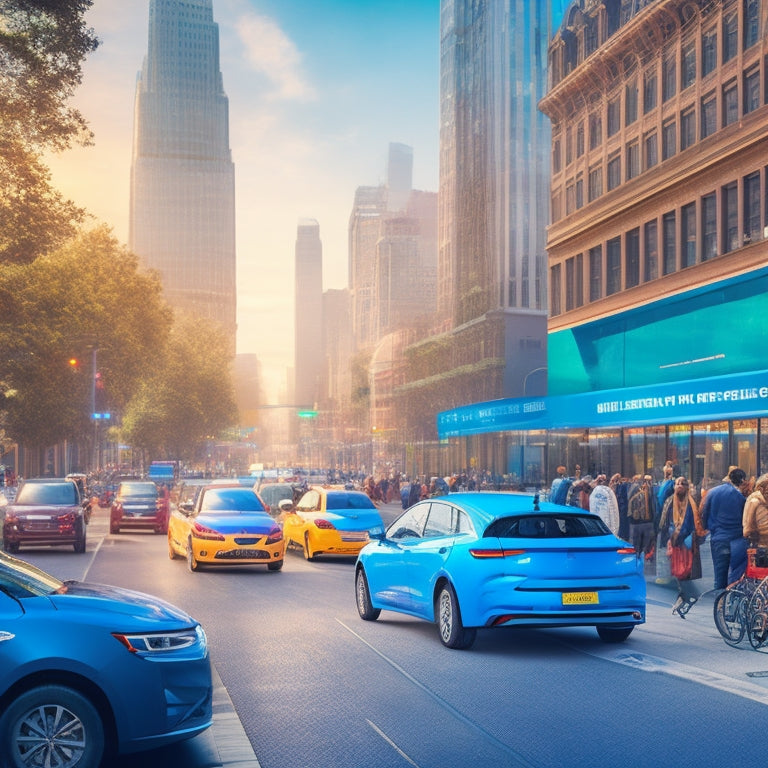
88, 670
471, 560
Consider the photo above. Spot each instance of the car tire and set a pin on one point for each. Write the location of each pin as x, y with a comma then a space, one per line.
11, 546
275, 565
363, 598
114, 529
171, 551
308, 553
79, 545
23, 730
614, 634
192, 563
453, 633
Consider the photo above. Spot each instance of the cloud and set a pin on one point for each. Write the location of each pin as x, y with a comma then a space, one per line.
269, 51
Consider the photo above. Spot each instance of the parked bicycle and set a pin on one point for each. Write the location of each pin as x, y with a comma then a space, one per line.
741, 610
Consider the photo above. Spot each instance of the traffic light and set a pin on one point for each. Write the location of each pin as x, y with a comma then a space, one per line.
74, 364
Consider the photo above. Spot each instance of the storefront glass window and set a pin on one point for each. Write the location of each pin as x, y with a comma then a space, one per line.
710, 454
762, 464
656, 450
680, 449
634, 452
745, 438
604, 452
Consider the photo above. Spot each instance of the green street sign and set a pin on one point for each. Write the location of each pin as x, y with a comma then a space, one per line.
307, 414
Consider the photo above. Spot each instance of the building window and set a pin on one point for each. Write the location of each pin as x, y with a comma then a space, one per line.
751, 90
570, 198
556, 163
730, 36
730, 218
557, 207
590, 36
568, 146
613, 266
596, 273
633, 160
708, 115
708, 52
668, 139
708, 227
687, 128
688, 74
632, 258
651, 143
650, 90
580, 139
574, 282
595, 131
554, 302
669, 235
614, 172
688, 234
752, 210
595, 182
651, 251
613, 123
751, 22
730, 103
669, 78
579, 193
630, 103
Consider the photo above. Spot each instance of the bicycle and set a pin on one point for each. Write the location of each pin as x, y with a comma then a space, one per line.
742, 608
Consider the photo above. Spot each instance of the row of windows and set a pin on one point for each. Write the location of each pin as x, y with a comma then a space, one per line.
704, 49
717, 223
695, 122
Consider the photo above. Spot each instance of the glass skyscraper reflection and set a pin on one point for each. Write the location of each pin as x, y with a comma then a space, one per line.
182, 217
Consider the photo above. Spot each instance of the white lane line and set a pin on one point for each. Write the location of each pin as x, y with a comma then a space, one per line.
521, 761
647, 663
392, 744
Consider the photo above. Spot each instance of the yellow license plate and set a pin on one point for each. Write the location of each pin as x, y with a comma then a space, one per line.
580, 598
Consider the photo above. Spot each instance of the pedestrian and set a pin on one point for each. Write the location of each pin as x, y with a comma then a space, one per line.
755, 517
666, 487
723, 514
641, 511
680, 531
561, 473
603, 502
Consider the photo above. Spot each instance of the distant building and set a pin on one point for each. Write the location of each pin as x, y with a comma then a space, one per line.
309, 357
182, 207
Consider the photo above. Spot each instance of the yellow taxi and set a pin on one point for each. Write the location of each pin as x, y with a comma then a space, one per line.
225, 525
331, 521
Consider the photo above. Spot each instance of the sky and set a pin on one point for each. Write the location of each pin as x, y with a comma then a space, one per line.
317, 90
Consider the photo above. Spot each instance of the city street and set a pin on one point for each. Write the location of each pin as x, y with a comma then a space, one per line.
306, 683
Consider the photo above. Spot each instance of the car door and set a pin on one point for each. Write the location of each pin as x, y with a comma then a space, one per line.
296, 522
425, 557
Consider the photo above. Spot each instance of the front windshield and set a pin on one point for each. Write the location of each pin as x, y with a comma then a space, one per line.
21, 579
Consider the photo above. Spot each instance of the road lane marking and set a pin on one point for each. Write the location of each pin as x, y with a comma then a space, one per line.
522, 761
392, 743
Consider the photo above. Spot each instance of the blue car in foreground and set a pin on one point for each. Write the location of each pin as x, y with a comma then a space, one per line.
88, 670
471, 560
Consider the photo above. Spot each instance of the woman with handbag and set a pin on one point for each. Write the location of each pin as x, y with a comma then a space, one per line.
680, 529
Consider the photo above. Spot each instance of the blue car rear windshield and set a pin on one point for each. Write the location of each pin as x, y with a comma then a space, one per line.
546, 527
342, 500
231, 500
64, 494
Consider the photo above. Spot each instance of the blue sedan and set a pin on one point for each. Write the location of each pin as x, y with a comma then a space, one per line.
88, 670
472, 560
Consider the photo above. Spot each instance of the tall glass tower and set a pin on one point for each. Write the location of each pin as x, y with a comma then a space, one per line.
182, 218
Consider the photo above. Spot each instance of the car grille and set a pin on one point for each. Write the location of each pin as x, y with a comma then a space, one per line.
354, 536
246, 542
243, 554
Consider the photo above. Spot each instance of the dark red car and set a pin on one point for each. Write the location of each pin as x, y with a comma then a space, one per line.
139, 504
48, 511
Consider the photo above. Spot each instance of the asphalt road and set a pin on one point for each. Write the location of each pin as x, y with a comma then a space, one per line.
305, 683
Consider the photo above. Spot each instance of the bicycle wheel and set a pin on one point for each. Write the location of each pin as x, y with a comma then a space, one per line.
757, 617
730, 615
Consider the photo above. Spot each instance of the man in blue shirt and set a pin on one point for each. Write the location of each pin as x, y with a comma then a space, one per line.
722, 514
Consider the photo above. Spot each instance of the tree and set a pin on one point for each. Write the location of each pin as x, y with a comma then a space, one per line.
42, 46
189, 400
88, 295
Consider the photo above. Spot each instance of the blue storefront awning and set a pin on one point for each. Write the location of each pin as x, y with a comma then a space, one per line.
712, 399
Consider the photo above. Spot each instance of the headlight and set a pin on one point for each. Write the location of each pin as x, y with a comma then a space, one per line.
161, 645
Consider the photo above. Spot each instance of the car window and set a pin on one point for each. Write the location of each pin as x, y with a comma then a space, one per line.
231, 500
410, 524
137, 489
464, 524
342, 500
440, 520
547, 527
309, 501
21, 579
47, 493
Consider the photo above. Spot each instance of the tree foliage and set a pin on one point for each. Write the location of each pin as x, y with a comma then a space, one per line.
42, 46
88, 295
189, 400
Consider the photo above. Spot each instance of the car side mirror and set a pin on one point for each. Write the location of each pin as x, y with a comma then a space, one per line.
186, 507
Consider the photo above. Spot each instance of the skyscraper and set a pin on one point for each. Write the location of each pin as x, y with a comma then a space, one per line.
182, 217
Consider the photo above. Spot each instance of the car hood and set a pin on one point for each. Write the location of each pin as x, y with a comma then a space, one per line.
22, 510
237, 522
83, 596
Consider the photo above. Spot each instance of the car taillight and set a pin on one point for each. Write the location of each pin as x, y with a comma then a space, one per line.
201, 532
66, 519
325, 525
275, 535
626, 551
485, 554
